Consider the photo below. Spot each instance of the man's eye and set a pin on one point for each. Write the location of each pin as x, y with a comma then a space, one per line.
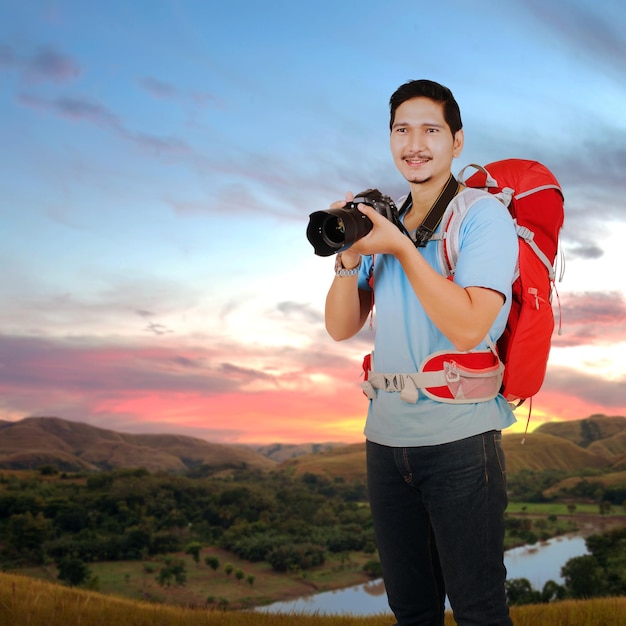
432, 130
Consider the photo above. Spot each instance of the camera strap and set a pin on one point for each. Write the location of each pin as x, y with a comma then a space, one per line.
430, 223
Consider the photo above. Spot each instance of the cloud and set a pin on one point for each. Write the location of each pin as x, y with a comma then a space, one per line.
607, 307
591, 176
304, 312
166, 91
83, 110
45, 65
211, 366
578, 386
237, 392
245, 375
595, 169
74, 109
583, 250
154, 327
592, 318
48, 64
582, 27
90, 367
158, 88
7, 57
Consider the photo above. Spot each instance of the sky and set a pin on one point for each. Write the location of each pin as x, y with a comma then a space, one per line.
160, 159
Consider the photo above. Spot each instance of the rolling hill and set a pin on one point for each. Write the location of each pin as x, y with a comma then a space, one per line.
555, 445
74, 446
597, 442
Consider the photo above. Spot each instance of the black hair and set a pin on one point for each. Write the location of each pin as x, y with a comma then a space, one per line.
433, 91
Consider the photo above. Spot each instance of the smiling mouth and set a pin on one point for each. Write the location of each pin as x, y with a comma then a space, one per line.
416, 160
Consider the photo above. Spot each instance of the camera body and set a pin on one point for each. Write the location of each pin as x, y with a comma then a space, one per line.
335, 230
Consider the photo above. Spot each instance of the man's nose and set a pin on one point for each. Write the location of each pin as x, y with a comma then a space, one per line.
416, 142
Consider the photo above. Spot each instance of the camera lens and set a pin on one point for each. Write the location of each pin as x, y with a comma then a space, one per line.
336, 229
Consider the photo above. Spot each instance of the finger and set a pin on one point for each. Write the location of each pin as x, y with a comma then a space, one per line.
367, 209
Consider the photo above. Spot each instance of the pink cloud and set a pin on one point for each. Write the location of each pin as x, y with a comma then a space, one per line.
163, 90
228, 392
47, 64
78, 109
591, 318
83, 110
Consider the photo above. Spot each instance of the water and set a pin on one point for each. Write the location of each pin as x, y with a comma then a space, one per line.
538, 563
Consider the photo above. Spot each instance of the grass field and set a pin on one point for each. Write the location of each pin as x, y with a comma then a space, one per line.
549, 508
131, 580
28, 602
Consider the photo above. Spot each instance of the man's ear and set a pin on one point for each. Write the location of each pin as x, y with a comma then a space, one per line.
459, 139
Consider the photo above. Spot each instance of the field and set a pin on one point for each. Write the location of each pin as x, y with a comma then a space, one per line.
549, 508
28, 602
204, 587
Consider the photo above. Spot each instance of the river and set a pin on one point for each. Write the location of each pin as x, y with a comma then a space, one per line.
538, 563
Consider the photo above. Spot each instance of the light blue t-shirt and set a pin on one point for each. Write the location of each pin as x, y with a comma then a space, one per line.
405, 335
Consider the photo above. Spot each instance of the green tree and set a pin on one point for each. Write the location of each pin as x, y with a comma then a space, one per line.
373, 568
172, 571
213, 562
552, 592
520, 591
73, 571
194, 548
26, 534
296, 557
584, 577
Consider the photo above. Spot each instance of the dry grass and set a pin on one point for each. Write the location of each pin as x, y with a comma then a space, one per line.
28, 602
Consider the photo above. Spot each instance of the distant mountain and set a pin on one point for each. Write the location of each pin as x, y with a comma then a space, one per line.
542, 452
597, 442
600, 435
72, 446
554, 445
347, 461
284, 451
589, 431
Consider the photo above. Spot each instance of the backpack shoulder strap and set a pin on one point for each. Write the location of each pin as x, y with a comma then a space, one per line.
449, 244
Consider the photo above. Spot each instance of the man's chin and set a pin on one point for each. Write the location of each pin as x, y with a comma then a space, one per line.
414, 180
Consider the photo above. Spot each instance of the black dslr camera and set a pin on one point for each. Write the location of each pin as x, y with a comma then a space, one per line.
336, 230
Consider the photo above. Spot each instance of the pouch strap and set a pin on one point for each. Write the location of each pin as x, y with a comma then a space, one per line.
450, 382
406, 384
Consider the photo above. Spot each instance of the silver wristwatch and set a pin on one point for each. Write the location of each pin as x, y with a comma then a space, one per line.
340, 270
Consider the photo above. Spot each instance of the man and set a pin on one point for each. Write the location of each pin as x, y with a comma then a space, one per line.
436, 475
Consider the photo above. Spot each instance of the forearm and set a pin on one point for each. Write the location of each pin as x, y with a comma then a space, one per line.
347, 307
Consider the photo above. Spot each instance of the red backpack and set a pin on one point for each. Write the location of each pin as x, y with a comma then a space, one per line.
535, 200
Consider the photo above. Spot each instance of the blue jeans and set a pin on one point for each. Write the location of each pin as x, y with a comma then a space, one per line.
438, 516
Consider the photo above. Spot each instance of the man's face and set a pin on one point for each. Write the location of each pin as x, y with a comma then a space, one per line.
422, 144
